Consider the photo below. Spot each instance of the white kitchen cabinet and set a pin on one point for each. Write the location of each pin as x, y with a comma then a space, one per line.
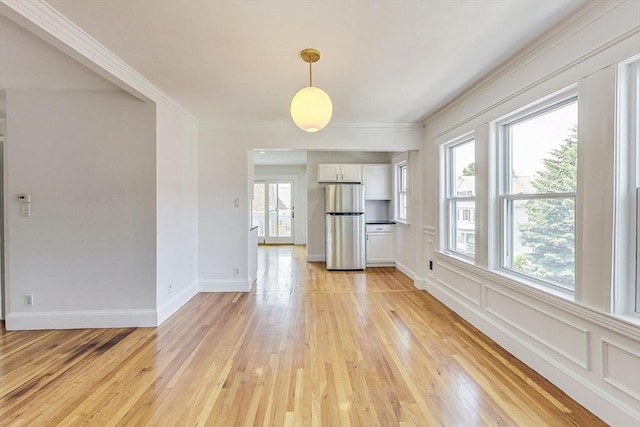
377, 182
379, 245
351, 173
329, 173
339, 173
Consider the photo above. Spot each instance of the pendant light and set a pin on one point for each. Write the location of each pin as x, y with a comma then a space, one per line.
311, 107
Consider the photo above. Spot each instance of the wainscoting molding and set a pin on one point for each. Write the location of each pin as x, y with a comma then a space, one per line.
591, 362
462, 284
615, 356
526, 318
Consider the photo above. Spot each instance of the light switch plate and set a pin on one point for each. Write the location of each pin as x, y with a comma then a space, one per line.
25, 209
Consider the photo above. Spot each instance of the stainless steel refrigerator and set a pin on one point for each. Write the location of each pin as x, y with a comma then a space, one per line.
345, 229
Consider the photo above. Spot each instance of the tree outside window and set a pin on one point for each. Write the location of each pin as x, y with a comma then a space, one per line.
539, 185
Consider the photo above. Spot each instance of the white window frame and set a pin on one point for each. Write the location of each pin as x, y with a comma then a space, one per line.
451, 199
626, 299
506, 199
401, 192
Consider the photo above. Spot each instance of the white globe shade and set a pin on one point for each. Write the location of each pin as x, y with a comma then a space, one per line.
311, 109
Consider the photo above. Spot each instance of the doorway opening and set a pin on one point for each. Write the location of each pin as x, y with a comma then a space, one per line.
273, 211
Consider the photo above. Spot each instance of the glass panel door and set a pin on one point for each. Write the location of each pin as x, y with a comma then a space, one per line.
272, 211
280, 204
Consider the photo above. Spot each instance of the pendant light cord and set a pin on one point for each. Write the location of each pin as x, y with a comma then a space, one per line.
310, 75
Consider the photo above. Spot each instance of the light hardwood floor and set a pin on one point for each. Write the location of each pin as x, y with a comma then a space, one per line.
304, 347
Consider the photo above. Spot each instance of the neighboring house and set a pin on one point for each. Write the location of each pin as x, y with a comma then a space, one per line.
466, 213
466, 216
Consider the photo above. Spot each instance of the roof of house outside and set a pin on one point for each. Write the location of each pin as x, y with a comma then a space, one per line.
519, 184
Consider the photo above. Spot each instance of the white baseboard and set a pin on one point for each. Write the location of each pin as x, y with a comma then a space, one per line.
381, 264
588, 394
406, 270
176, 302
316, 258
423, 283
81, 319
225, 285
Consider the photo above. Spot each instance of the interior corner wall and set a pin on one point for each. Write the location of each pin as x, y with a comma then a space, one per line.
87, 252
177, 209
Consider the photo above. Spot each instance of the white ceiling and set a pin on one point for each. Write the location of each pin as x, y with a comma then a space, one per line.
28, 62
382, 61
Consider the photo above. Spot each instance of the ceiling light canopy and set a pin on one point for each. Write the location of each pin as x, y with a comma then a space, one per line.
311, 107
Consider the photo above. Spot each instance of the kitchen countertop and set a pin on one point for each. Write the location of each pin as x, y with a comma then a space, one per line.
380, 222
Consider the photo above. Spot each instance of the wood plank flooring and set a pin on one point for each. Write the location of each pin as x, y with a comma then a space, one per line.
304, 347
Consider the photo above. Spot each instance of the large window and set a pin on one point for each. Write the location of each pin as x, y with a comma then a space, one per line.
628, 189
401, 191
538, 184
460, 184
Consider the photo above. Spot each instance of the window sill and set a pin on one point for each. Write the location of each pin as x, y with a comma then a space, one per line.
564, 294
402, 221
632, 319
459, 258
513, 281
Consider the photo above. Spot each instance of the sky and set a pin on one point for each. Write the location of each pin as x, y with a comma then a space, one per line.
533, 141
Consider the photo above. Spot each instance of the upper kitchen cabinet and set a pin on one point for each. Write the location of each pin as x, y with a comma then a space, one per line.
339, 173
377, 182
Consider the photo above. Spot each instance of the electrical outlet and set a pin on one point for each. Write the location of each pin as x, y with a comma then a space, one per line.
430, 265
170, 287
28, 299
236, 271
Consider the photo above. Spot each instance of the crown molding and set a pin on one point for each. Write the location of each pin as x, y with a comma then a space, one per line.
46, 22
288, 124
589, 13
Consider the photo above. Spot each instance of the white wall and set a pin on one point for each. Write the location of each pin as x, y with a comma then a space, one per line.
407, 236
298, 174
590, 354
87, 252
173, 138
177, 209
223, 176
315, 193
223, 228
